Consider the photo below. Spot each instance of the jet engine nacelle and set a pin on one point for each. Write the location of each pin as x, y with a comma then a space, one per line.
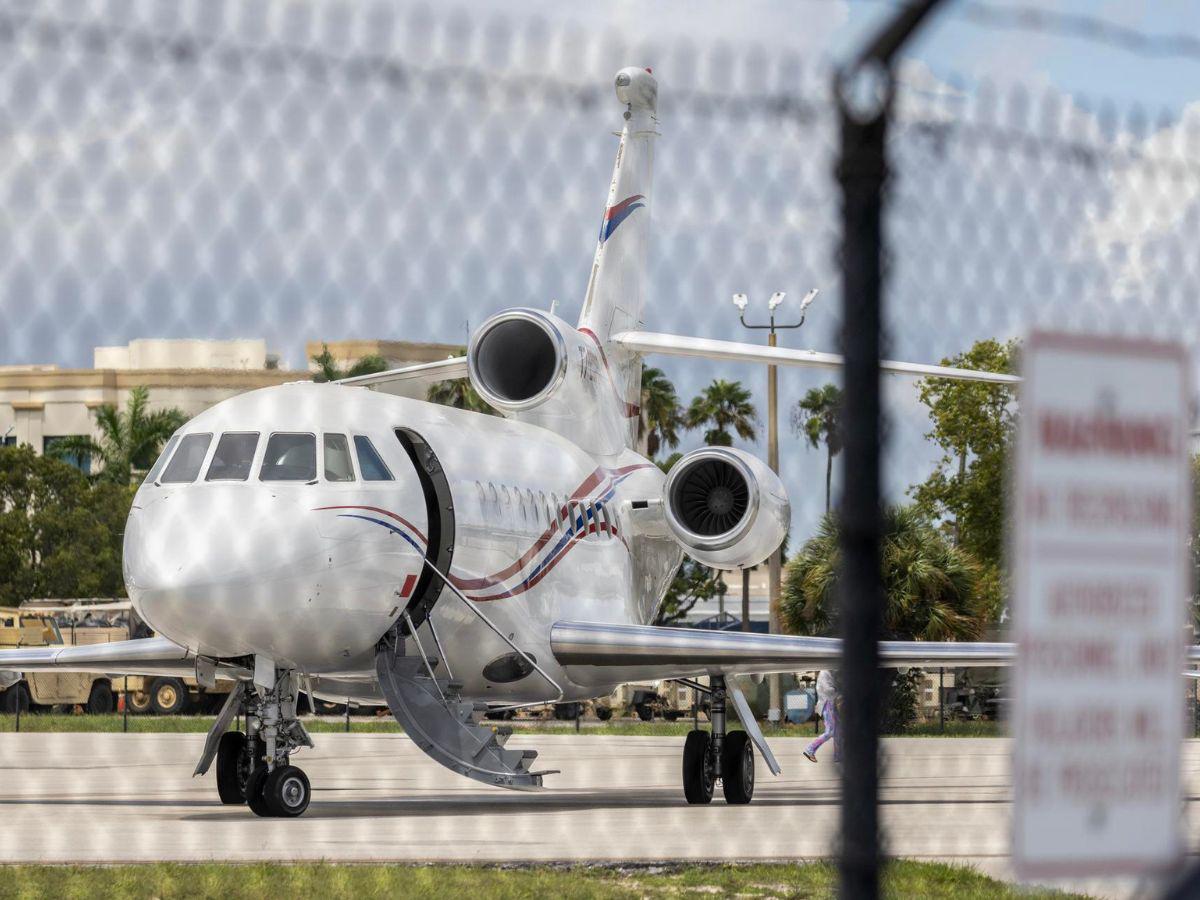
725, 507
533, 366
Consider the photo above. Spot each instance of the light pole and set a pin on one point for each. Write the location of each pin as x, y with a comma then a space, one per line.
775, 564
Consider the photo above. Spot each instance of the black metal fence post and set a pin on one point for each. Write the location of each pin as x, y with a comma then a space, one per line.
864, 93
941, 699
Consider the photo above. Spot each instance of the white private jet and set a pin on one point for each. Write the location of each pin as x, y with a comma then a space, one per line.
355, 543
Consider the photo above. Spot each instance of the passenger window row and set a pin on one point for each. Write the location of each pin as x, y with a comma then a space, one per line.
543, 509
289, 456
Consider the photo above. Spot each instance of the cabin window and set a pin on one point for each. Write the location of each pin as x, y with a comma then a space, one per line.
233, 456
338, 466
290, 457
152, 475
370, 463
185, 464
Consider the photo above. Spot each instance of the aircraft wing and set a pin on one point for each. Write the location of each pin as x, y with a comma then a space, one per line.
412, 381
142, 656
679, 345
652, 652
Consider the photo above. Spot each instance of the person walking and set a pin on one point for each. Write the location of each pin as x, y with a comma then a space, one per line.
827, 703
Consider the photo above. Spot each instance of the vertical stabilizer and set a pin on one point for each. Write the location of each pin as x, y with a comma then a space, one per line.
616, 290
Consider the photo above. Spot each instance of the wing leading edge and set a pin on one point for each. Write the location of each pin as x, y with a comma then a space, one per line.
411, 381
142, 656
652, 652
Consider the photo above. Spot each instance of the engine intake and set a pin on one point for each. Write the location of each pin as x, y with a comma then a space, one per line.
725, 507
517, 359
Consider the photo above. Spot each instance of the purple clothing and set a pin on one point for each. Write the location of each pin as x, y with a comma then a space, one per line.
829, 715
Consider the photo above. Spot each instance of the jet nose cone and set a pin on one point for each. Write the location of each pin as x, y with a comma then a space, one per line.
637, 88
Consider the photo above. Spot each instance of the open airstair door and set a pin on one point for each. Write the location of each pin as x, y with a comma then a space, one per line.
447, 728
439, 513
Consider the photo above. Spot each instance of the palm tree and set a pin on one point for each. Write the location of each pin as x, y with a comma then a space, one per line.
933, 588
723, 405
817, 417
457, 392
328, 369
661, 418
129, 442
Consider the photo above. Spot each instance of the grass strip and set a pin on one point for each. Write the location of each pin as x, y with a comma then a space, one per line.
169, 881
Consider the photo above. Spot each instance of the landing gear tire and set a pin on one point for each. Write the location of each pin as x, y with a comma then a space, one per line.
233, 768
737, 768
286, 792
254, 792
698, 775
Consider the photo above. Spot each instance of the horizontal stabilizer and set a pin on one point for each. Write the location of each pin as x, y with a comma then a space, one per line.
143, 656
411, 381
679, 345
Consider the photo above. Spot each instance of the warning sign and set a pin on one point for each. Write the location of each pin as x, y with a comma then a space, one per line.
1100, 586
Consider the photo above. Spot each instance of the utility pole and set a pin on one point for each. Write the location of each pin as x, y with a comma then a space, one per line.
775, 565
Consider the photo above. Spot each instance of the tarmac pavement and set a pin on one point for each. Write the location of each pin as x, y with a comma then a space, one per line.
74, 797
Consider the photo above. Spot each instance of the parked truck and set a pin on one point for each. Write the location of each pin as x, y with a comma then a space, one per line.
39, 628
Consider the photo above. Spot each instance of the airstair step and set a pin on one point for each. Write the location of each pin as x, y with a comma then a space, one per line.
449, 729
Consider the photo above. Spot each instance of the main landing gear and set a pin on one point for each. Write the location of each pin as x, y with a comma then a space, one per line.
708, 758
254, 767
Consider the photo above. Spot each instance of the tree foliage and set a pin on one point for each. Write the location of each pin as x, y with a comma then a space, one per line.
329, 370
60, 536
817, 417
973, 423
661, 418
129, 442
725, 408
457, 392
932, 587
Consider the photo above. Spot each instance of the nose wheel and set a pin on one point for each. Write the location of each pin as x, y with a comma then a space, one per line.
708, 758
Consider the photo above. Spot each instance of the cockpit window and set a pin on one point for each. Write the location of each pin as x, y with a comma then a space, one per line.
369, 461
290, 457
338, 466
231, 460
152, 475
185, 464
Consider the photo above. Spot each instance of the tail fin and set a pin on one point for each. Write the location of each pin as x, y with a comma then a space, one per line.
616, 290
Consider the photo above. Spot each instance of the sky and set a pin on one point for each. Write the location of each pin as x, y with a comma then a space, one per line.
216, 169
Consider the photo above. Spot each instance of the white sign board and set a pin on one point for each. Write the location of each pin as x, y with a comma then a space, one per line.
1100, 591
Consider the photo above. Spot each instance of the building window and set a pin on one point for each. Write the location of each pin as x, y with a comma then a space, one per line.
81, 461
9, 440
290, 457
233, 456
185, 464
369, 462
337, 458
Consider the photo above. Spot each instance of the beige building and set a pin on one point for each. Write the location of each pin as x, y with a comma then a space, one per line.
40, 403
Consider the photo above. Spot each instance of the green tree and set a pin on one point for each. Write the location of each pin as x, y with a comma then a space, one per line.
60, 536
725, 407
457, 392
129, 442
661, 417
329, 370
932, 587
817, 417
693, 581
973, 423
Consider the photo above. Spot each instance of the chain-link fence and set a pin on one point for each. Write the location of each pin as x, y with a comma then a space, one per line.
331, 171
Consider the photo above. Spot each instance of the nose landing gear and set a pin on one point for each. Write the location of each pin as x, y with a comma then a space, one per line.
727, 757
254, 767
